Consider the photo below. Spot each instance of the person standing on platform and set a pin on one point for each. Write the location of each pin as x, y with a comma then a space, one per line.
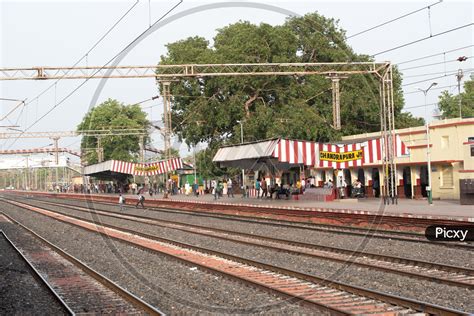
257, 188
230, 189
264, 188
121, 202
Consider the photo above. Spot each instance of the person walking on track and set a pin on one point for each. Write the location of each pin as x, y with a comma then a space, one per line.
141, 200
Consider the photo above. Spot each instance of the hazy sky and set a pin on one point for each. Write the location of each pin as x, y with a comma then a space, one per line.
58, 33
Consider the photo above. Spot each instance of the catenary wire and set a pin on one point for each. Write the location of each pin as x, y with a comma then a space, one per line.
422, 39
393, 20
450, 72
432, 64
437, 54
470, 70
437, 88
92, 76
88, 52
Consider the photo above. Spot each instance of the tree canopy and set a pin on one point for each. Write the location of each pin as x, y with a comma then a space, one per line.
208, 109
448, 105
113, 114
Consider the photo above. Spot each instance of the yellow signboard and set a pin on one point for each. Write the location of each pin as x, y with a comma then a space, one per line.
341, 157
146, 168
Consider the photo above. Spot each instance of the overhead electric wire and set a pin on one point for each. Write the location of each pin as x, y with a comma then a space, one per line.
432, 64
423, 39
92, 76
419, 106
98, 70
393, 20
451, 72
437, 54
429, 79
437, 88
7, 99
89, 51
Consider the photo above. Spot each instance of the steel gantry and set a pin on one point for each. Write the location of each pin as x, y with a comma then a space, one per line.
55, 136
164, 74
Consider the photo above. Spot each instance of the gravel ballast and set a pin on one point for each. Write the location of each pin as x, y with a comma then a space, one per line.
163, 282
22, 293
424, 290
417, 251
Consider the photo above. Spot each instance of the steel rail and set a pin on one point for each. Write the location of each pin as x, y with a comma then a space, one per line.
387, 298
348, 230
36, 273
328, 253
133, 299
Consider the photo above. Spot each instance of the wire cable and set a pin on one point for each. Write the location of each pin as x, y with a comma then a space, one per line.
433, 64
437, 54
451, 72
88, 52
419, 106
98, 70
409, 84
422, 39
92, 76
437, 88
393, 20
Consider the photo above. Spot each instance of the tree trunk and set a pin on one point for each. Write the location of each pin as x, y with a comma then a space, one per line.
248, 103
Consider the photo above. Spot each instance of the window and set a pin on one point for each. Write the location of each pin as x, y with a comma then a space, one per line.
444, 142
447, 179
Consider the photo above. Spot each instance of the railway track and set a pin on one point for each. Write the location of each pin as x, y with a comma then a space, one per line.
446, 274
333, 297
78, 287
35, 273
339, 229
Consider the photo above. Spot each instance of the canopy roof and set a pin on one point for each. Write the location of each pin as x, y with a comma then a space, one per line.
132, 168
285, 153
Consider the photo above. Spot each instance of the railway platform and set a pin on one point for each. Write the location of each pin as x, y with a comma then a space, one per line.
404, 207
440, 209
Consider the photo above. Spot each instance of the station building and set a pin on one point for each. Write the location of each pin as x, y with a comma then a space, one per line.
452, 159
286, 161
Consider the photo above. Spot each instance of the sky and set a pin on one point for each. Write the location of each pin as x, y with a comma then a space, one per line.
59, 33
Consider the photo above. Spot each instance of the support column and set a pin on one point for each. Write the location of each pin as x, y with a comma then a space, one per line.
165, 92
336, 106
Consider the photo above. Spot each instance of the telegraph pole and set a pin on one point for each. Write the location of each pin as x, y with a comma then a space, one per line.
459, 77
165, 91
336, 103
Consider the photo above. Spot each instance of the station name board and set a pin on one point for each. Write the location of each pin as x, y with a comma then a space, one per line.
341, 157
145, 168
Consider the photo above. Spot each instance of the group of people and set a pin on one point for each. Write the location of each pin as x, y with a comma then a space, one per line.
219, 187
140, 201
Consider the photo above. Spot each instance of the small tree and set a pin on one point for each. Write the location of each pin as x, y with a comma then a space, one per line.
113, 114
448, 105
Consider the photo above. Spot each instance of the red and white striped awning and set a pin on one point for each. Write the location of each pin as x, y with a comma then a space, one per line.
343, 155
319, 155
136, 169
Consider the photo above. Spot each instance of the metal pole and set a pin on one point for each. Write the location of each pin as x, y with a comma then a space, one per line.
459, 76
429, 190
165, 91
242, 141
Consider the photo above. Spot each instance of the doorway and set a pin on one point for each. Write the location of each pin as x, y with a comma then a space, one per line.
376, 182
424, 180
407, 182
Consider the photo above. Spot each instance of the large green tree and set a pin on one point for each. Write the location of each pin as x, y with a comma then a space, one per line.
113, 114
208, 109
448, 105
